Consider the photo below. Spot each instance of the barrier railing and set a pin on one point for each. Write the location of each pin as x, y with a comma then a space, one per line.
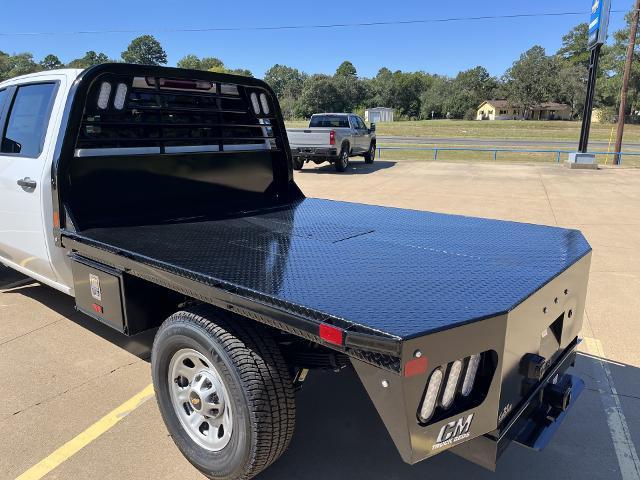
557, 154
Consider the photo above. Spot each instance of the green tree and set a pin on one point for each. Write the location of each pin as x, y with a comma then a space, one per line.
145, 50
234, 71
15, 65
572, 87
285, 81
240, 71
468, 90
433, 101
89, 59
346, 70
5, 65
613, 61
319, 94
50, 62
532, 79
193, 62
575, 48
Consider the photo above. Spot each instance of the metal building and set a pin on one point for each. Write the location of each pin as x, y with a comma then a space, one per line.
378, 114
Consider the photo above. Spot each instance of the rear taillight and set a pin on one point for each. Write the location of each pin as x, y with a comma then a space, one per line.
470, 375
455, 387
453, 379
332, 137
431, 396
103, 96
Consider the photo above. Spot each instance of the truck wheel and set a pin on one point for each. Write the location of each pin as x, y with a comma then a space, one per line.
342, 162
224, 392
298, 163
370, 156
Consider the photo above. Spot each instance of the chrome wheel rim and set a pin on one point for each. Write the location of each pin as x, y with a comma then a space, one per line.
200, 399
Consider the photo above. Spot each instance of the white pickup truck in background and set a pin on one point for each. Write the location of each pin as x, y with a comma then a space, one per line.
333, 138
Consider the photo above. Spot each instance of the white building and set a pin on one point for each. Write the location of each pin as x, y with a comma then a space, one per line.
378, 114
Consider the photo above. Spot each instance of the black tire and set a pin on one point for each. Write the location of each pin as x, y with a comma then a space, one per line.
342, 162
298, 163
370, 156
255, 374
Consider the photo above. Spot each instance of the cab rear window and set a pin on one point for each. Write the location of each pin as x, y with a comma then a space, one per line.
329, 121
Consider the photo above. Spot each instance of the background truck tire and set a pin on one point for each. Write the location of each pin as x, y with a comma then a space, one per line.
370, 156
256, 390
342, 162
298, 163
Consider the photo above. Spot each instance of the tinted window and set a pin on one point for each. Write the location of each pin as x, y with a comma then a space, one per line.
359, 123
329, 121
28, 120
3, 94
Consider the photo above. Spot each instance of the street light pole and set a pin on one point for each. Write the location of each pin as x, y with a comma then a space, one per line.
625, 81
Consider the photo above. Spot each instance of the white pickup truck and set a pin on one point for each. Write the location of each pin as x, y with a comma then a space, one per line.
333, 138
163, 198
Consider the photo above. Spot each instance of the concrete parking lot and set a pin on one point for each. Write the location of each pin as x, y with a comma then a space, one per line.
62, 375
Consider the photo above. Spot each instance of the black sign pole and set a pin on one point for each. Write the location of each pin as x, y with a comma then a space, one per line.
588, 104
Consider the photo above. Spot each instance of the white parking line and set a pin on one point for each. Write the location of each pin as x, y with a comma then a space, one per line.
620, 434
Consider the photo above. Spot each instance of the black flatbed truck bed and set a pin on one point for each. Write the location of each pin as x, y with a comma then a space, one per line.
187, 198
387, 272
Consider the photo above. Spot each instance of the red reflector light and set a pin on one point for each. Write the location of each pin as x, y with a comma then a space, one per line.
97, 308
416, 366
332, 137
331, 334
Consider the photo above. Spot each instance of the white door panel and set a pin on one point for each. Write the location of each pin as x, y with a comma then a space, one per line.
22, 163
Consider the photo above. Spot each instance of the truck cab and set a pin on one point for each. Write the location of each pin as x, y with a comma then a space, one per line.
31, 112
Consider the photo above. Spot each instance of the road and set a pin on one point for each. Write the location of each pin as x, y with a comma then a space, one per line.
63, 374
489, 143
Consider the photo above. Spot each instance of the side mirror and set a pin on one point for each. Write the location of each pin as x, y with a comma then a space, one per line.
373, 127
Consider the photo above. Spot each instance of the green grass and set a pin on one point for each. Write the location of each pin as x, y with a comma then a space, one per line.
504, 130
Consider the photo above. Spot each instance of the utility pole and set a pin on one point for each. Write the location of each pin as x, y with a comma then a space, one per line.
625, 81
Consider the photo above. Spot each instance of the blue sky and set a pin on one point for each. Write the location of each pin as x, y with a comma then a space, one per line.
444, 48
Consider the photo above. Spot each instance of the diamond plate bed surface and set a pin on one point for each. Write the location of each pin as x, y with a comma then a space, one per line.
402, 272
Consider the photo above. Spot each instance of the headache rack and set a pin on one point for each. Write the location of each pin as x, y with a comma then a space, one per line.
178, 143
127, 114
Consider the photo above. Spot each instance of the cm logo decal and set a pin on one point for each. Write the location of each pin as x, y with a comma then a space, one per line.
453, 432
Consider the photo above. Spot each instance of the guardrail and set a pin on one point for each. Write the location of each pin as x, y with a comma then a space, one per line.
557, 154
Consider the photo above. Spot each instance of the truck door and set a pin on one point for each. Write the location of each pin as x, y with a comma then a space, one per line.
363, 135
356, 146
24, 118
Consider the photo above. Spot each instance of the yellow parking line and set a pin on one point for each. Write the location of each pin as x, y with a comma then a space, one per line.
76, 444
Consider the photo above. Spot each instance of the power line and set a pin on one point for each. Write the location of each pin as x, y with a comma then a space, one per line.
308, 27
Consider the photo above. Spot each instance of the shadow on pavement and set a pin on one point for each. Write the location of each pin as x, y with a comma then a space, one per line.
138, 345
9, 276
354, 168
